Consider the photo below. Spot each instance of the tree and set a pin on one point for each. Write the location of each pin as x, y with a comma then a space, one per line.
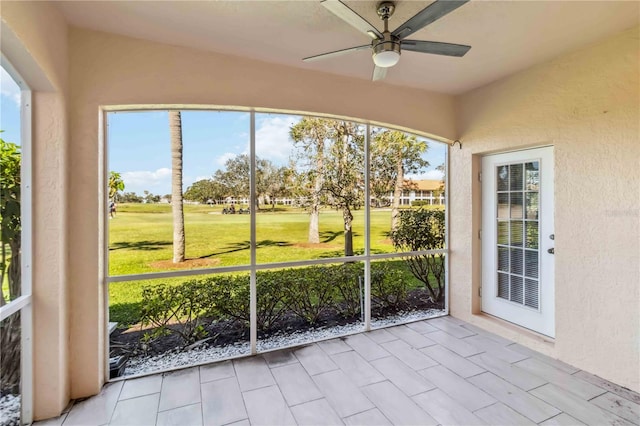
10, 219
204, 190
311, 135
418, 230
235, 176
393, 155
175, 130
10, 239
343, 180
130, 197
116, 184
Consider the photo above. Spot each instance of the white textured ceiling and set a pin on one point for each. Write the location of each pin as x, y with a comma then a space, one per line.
506, 36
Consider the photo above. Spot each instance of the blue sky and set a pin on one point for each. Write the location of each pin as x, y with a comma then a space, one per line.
139, 146
9, 108
139, 149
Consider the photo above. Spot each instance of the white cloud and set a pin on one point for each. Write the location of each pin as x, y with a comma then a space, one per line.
158, 181
429, 175
221, 160
8, 87
272, 138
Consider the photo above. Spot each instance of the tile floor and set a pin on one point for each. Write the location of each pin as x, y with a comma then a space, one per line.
438, 371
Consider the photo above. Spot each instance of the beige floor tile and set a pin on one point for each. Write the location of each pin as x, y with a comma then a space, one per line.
222, 402
446, 410
266, 406
315, 360
140, 411
368, 418
466, 394
180, 388
142, 386
343, 395
295, 384
410, 356
500, 414
360, 371
396, 406
216, 371
515, 398
190, 415
454, 362
405, 378
412, 337
96, 410
576, 406
253, 373
315, 413
367, 348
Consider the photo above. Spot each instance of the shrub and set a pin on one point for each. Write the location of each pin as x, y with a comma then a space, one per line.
307, 292
423, 229
232, 297
388, 286
348, 282
182, 305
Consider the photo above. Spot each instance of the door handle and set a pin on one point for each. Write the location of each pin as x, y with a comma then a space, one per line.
551, 251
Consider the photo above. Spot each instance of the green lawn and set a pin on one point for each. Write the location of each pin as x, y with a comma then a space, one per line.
140, 236
140, 241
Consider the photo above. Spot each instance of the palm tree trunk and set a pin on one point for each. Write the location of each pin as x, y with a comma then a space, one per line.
175, 129
397, 193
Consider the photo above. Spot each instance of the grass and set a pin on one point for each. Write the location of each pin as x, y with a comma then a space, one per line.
140, 241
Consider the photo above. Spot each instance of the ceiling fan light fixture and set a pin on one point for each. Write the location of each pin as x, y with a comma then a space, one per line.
386, 59
386, 53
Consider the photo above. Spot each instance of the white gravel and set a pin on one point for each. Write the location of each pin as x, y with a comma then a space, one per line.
178, 358
10, 410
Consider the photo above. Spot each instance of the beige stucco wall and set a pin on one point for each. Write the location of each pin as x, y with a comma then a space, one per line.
113, 70
563, 103
587, 105
34, 39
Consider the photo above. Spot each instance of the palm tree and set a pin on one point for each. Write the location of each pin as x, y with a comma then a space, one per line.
116, 184
394, 154
175, 129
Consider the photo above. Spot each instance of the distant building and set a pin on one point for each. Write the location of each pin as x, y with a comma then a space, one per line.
430, 191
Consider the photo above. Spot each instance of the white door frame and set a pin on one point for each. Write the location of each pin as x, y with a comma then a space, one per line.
540, 318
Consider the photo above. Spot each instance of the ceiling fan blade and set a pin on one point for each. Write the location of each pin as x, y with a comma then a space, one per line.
345, 13
336, 53
379, 73
429, 14
435, 47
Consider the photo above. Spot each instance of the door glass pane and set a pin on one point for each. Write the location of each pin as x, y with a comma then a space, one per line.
532, 205
503, 259
531, 293
503, 178
517, 227
532, 235
531, 264
532, 177
503, 232
515, 173
516, 205
503, 206
503, 286
516, 261
516, 289
516, 233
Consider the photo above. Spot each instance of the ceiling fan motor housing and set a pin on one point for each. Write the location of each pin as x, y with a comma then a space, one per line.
386, 51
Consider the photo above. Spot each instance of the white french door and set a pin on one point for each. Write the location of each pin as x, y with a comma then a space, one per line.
517, 238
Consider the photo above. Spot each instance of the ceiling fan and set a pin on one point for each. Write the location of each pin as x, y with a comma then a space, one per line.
386, 46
